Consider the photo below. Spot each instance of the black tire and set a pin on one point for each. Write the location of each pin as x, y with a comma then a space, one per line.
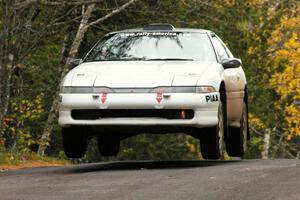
212, 138
237, 137
108, 146
74, 142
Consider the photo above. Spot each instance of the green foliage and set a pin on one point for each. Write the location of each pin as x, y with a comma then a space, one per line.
19, 158
254, 147
245, 25
150, 147
19, 137
159, 147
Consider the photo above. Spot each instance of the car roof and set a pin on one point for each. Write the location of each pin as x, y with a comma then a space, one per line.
163, 28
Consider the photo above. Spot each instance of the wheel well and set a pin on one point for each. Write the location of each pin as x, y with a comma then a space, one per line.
222, 91
246, 102
246, 95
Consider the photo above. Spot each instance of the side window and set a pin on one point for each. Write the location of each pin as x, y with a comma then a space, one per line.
228, 52
219, 48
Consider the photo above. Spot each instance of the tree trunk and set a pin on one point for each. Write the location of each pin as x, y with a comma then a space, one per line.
6, 70
10, 52
82, 29
6, 61
52, 113
3, 74
265, 151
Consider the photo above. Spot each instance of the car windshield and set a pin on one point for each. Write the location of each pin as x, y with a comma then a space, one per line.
153, 46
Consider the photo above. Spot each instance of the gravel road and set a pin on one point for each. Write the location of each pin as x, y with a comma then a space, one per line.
156, 180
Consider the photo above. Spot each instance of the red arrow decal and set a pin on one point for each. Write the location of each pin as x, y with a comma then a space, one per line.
103, 97
159, 97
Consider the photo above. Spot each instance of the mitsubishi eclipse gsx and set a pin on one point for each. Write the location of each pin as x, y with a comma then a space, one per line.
157, 79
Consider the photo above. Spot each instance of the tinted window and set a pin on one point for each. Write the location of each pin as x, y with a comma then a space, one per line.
154, 46
219, 48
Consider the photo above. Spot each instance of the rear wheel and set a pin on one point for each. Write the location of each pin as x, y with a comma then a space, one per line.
237, 137
74, 142
108, 146
212, 138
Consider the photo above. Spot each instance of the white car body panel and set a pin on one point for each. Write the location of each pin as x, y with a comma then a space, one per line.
205, 113
135, 74
235, 82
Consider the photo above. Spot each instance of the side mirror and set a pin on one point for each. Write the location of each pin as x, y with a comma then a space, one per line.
231, 63
73, 63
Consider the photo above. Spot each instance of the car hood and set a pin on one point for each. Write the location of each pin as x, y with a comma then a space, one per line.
132, 74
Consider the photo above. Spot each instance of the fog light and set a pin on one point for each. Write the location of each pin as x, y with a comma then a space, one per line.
182, 114
60, 98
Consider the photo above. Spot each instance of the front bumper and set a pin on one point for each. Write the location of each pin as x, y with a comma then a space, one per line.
205, 111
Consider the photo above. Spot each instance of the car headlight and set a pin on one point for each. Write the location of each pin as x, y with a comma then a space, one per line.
70, 89
184, 89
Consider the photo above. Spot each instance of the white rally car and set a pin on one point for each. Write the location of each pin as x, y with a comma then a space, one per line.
157, 79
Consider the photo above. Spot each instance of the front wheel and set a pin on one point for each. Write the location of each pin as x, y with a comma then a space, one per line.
74, 142
212, 138
237, 137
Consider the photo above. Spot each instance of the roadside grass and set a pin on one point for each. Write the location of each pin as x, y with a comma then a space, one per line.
11, 161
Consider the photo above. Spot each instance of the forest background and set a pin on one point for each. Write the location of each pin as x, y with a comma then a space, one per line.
39, 39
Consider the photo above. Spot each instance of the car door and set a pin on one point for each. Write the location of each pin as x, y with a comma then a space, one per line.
235, 82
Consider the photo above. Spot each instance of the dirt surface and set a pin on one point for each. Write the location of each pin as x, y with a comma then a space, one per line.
28, 165
166, 180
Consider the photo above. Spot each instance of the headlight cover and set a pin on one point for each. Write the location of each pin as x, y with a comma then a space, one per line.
70, 89
164, 89
184, 89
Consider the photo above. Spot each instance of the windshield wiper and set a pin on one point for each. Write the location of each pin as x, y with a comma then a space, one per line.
133, 58
125, 59
170, 59
120, 59
142, 59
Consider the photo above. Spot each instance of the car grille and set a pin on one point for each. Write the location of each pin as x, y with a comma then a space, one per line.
94, 114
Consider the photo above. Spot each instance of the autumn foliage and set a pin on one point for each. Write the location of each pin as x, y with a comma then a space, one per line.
284, 48
35, 41
19, 137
